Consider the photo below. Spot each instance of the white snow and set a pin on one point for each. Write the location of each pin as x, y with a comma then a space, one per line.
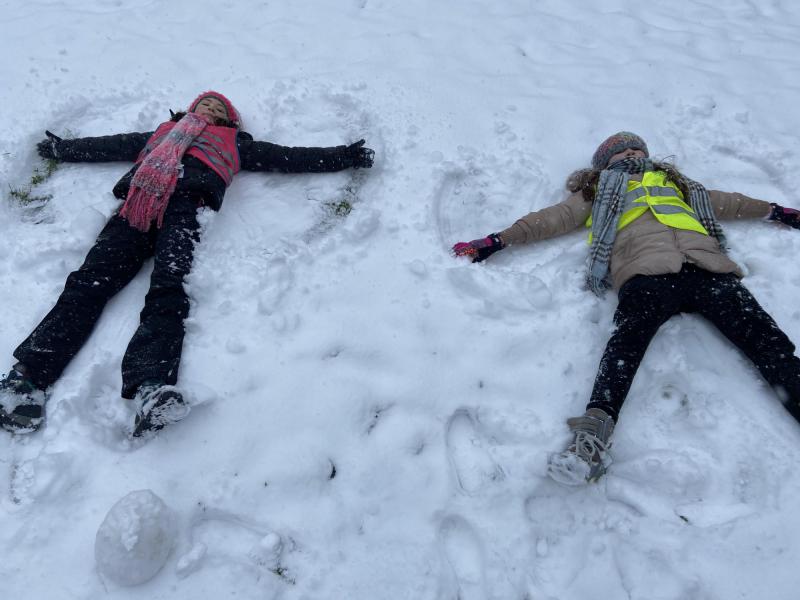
371, 417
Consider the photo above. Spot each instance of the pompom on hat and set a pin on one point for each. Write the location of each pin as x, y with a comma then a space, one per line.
233, 114
615, 144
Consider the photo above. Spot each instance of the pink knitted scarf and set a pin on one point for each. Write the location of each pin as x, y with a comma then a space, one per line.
155, 179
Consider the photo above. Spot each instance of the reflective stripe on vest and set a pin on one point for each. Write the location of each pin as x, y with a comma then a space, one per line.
216, 147
661, 197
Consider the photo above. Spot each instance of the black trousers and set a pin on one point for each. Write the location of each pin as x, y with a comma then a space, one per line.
648, 301
154, 352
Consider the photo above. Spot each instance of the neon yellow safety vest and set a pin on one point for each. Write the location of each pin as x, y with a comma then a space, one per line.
661, 197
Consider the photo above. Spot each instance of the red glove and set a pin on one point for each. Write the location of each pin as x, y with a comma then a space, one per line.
479, 250
787, 216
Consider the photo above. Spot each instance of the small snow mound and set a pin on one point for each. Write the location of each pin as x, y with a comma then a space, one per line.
135, 539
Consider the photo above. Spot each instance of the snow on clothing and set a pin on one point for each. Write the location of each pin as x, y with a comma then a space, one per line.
154, 352
647, 301
155, 349
661, 271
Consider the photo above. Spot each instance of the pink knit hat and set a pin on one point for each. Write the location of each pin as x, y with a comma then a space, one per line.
233, 114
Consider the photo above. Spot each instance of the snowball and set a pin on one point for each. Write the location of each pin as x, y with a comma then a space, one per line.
135, 539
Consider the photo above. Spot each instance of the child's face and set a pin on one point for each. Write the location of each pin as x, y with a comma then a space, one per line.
628, 152
211, 107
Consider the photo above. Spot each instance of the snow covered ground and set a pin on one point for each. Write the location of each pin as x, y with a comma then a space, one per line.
373, 417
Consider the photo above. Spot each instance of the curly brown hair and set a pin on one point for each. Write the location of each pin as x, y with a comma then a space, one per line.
585, 180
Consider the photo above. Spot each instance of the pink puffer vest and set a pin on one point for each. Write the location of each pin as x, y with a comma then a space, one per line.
215, 147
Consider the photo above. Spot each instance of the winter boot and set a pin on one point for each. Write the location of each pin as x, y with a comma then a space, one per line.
586, 459
21, 403
159, 405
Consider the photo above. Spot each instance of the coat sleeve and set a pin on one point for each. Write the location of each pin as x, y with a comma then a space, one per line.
732, 205
122, 146
264, 156
549, 222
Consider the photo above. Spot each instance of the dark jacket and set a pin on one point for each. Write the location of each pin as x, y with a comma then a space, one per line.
197, 177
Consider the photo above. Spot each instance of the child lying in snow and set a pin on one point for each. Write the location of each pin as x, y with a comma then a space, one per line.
186, 163
656, 240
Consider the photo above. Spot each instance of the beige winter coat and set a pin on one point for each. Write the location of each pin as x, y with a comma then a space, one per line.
645, 247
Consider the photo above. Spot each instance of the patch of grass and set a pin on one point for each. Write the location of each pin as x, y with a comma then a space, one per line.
25, 195
43, 173
334, 211
344, 207
341, 208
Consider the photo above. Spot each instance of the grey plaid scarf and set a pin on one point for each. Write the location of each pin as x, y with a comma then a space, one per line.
609, 205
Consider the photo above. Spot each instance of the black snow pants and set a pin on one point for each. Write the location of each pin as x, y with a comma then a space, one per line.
154, 352
648, 301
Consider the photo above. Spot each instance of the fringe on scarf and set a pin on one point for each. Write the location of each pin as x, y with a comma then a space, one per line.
155, 179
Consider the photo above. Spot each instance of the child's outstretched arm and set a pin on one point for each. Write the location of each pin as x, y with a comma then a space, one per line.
733, 205
122, 146
264, 156
547, 223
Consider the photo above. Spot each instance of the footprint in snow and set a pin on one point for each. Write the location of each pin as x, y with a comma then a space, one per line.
472, 466
279, 279
552, 510
46, 476
464, 572
235, 545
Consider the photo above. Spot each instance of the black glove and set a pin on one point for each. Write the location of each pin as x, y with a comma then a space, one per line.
49, 148
481, 249
361, 157
787, 216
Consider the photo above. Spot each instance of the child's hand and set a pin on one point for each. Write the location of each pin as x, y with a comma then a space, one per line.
362, 157
49, 148
478, 250
787, 216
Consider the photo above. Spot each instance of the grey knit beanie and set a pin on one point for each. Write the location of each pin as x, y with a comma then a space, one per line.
615, 144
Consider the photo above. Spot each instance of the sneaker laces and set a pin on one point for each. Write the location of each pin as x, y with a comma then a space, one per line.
590, 447
583, 461
586, 458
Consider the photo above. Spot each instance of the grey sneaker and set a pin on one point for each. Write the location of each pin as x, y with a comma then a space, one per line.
586, 459
159, 406
21, 403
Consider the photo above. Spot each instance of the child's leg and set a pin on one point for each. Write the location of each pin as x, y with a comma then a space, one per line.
645, 303
739, 317
154, 352
112, 262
